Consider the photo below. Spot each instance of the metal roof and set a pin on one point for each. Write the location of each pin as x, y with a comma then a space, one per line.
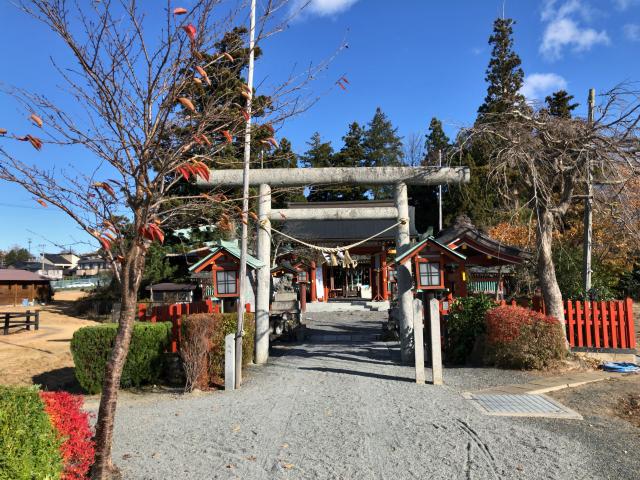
171, 287
57, 259
464, 228
230, 247
16, 275
416, 246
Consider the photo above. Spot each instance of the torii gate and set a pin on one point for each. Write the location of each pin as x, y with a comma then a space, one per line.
400, 177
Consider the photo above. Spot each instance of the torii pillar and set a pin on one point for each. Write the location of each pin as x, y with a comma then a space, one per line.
299, 177
403, 274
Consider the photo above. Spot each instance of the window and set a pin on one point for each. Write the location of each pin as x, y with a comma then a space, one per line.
429, 274
226, 282
302, 276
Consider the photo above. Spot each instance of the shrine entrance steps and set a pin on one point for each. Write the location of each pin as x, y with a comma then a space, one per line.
348, 305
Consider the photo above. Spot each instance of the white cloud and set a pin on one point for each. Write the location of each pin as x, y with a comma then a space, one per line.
322, 8
563, 29
632, 32
625, 4
538, 85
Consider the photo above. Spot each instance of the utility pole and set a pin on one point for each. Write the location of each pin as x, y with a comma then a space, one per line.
29, 242
588, 214
42, 245
245, 202
439, 194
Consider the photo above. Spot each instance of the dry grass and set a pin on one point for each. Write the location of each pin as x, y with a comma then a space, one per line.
42, 357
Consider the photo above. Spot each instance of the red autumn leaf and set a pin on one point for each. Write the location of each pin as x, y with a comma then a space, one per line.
191, 32
227, 56
197, 80
34, 141
179, 11
36, 119
270, 128
344, 79
227, 135
253, 215
3, 131
186, 103
41, 202
341, 85
273, 142
106, 244
245, 115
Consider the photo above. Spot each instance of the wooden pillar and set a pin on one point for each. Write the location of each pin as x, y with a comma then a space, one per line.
312, 280
385, 279
303, 297
436, 352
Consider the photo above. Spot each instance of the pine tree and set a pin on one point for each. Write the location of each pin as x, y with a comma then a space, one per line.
504, 73
320, 154
436, 141
559, 104
283, 157
351, 155
382, 148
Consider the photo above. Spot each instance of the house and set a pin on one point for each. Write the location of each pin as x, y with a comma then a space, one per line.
462, 260
217, 273
172, 293
42, 267
364, 277
66, 261
18, 285
90, 265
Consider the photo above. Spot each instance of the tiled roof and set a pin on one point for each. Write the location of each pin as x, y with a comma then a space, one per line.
230, 247
16, 275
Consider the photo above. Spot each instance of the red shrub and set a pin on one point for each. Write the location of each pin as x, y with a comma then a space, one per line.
72, 425
521, 338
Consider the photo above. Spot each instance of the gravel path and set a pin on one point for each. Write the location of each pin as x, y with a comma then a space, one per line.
349, 411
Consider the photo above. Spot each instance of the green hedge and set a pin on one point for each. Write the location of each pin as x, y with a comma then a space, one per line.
29, 448
91, 348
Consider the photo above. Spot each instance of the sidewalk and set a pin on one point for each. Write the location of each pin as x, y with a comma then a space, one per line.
549, 384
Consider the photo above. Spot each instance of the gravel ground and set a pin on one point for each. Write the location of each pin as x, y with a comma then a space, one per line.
349, 411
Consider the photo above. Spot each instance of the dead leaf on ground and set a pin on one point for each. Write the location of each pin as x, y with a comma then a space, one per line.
285, 445
236, 428
288, 466
253, 458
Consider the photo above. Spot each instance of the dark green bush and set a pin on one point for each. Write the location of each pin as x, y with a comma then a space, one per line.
464, 324
221, 325
29, 448
91, 348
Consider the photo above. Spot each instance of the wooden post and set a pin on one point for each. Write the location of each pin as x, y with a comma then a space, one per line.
303, 297
436, 351
418, 340
631, 333
27, 321
230, 362
6, 323
263, 293
37, 320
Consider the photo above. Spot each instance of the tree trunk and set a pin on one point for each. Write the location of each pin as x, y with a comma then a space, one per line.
546, 269
103, 468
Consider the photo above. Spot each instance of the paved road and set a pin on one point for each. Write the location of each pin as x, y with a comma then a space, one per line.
345, 410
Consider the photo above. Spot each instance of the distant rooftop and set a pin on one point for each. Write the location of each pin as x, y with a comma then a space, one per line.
16, 275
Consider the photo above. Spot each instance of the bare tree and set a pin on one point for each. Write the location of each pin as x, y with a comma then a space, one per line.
414, 149
539, 162
134, 91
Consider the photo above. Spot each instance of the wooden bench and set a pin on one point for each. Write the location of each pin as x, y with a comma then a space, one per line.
19, 319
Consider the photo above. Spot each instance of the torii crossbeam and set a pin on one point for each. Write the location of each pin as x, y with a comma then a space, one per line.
399, 177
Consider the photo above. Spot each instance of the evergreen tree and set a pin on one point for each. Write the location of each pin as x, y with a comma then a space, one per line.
351, 155
559, 104
283, 157
382, 148
504, 73
320, 154
437, 141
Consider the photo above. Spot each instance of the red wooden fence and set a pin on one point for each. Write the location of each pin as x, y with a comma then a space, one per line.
592, 324
173, 313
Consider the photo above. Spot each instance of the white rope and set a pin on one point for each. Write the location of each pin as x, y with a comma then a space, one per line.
402, 221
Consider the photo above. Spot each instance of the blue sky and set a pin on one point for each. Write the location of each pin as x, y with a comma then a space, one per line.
413, 58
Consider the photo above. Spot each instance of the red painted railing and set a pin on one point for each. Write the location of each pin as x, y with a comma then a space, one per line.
603, 324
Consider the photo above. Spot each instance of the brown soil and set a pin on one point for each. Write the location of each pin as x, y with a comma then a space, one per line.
606, 399
42, 357
629, 409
